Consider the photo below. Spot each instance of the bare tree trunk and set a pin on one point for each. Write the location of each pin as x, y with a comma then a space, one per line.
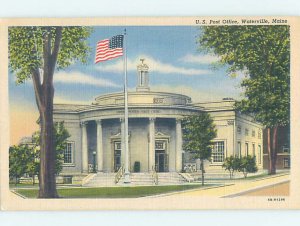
274, 151
269, 150
47, 169
272, 136
44, 94
202, 172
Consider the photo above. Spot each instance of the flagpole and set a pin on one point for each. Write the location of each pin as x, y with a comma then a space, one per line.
127, 173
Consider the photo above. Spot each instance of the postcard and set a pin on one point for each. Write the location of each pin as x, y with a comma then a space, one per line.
150, 113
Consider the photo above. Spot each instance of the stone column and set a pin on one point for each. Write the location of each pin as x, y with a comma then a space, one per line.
122, 141
84, 147
99, 146
151, 154
178, 154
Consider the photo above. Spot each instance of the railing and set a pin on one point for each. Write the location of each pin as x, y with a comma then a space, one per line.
154, 176
91, 168
119, 174
190, 167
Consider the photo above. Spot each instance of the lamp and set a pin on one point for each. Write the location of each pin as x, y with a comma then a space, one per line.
94, 161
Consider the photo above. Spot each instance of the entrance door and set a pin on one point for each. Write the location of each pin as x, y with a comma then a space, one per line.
117, 156
161, 157
160, 161
117, 160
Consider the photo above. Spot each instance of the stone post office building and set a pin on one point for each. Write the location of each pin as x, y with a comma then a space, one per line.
155, 134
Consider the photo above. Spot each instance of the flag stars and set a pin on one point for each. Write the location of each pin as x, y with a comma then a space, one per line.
116, 42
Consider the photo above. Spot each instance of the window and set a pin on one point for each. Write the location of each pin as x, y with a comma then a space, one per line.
239, 129
160, 145
253, 149
286, 163
259, 134
247, 149
246, 132
217, 153
117, 145
239, 149
259, 154
253, 133
285, 149
68, 153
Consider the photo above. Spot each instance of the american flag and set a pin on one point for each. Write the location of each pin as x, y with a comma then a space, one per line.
109, 48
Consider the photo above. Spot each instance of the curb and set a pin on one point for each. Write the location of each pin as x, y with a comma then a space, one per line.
18, 194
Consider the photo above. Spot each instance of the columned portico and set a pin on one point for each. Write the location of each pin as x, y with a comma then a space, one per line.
178, 145
84, 147
151, 143
99, 146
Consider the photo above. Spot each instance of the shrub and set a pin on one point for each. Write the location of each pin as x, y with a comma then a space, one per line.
248, 165
232, 164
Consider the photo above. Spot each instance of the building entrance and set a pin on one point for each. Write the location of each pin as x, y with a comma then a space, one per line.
161, 158
160, 161
117, 156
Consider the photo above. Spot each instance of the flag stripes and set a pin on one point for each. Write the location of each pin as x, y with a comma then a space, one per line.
109, 48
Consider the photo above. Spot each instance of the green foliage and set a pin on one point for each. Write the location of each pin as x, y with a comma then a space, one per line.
198, 133
248, 165
263, 53
61, 135
20, 159
232, 164
26, 158
26, 48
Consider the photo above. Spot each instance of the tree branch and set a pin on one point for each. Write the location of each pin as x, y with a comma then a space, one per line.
46, 54
56, 46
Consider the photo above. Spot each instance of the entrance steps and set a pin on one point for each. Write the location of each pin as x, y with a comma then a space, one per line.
136, 179
170, 178
101, 180
139, 179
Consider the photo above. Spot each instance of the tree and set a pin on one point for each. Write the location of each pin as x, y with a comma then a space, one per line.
232, 164
198, 133
25, 158
248, 165
19, 157
61, 135
33, 165
35, 53
263, 54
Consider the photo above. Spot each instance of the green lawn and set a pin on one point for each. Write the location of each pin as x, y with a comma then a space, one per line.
23, 186
112, 192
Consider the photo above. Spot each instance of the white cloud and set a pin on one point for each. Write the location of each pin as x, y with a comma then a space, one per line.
81, 78
154, 65
200, 59
63, 100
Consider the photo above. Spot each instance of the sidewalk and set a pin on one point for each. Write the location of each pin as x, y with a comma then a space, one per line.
239, 187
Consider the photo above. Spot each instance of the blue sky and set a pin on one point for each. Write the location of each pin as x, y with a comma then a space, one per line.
175, 65
171, 53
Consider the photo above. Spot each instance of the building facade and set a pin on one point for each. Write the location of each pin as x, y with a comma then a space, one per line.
283, 161
155, 133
